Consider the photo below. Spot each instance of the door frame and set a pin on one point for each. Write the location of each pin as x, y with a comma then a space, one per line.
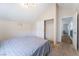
45, 26
61, 26
75, 31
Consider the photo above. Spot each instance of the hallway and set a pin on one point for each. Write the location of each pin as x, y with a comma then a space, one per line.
63, 49
66, 39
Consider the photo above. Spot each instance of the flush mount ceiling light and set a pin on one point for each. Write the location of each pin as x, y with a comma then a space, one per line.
28, 5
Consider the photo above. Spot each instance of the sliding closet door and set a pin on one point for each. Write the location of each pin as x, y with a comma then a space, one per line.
49, 29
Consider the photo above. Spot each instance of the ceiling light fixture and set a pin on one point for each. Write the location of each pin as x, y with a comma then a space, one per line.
29, 5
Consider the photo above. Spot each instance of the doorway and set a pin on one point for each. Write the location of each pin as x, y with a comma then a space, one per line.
48, 29
67, 30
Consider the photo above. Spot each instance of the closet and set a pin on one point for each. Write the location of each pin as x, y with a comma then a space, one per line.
49, 29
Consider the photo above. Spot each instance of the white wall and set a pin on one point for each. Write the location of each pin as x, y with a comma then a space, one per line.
63, 13
15, 29
50, 13
39, 28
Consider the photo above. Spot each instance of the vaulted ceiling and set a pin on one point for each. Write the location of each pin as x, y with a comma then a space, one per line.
16, 11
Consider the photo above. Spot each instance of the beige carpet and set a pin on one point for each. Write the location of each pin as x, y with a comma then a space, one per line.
63, 49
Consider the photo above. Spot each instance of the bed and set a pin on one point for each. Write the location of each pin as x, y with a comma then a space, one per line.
25, 46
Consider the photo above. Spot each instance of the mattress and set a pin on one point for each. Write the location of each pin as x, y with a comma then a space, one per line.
25, 46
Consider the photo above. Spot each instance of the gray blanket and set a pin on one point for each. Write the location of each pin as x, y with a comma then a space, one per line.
25, 46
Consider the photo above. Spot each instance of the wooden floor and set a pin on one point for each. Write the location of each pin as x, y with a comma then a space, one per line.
66, 38
63, 49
